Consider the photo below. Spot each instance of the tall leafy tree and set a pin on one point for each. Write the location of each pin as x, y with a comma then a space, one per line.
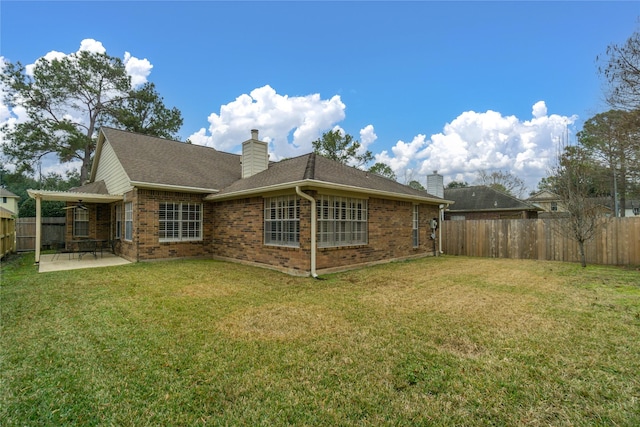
611, 139
416, 185
143, 111
457, 184
383, 169
66, 100
341, 148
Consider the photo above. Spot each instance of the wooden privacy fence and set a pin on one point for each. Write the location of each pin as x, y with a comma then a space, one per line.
617, 240
7, 233
53, 230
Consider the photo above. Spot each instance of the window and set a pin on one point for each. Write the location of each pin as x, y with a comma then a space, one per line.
416, 227
4, 200
554, 206
342, 221
81, 222
180, 222
118, 221
636, 211
128, 221
282, 221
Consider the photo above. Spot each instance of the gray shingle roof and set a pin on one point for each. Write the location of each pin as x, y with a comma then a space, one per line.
318, 168
160, 161
6, 193
483, 198
163, 162
97, 187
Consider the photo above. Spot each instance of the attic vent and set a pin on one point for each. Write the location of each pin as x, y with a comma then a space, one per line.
495, 203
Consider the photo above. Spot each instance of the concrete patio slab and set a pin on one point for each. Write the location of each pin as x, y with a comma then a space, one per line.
61, 262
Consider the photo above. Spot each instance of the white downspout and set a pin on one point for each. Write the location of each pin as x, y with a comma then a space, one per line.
38, 227
313, 229
442, 207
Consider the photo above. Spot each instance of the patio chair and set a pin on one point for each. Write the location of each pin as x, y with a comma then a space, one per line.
59, 248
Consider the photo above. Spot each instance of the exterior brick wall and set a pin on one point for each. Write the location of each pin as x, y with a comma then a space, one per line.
146, 238
390, 236
238, 233
234, 230
239, 224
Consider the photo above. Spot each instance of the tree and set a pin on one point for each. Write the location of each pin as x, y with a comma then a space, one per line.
611, 139
457, 184
66, 100
621, 69
505, 182
144, 112
341, 148
415, 185
383, 170
18, 183
574, 182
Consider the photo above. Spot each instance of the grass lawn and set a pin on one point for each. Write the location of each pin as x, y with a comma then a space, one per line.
437, 341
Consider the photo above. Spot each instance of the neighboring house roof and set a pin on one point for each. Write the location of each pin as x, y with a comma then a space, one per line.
6, 193
5, 213
483, 198
544, 196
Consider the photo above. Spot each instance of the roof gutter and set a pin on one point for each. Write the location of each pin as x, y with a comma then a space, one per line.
312, 183
169, 187
313, 229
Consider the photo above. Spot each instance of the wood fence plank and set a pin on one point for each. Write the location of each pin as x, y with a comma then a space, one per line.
617, 240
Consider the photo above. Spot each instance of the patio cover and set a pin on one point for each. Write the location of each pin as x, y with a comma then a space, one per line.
63, 196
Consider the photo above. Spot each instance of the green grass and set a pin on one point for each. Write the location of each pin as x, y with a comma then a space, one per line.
437, 341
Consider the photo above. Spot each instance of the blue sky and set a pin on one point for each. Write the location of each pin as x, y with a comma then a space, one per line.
452, 86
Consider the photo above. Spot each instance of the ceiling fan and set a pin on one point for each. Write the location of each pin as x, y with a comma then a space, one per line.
78, 205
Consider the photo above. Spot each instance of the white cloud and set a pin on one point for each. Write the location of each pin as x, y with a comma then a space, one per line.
489, 141
288, 123
138, 69
91, 45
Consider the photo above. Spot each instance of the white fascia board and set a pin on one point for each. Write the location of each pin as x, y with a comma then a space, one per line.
311, 184
70, 196
169, 187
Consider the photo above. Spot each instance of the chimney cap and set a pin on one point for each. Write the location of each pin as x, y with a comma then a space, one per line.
254, 133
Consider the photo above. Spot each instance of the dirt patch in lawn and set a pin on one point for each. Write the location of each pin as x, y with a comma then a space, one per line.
283, 321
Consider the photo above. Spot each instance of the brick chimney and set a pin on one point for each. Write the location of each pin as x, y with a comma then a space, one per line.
255, 155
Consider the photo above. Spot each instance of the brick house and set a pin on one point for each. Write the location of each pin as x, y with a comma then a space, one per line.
159, 199
482, 202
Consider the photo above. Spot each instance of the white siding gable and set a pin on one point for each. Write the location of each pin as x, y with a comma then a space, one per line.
111, 171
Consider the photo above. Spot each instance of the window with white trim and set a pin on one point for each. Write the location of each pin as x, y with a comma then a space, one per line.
118, 214
416, 227
80, 222
282, 221
342, 221
128, 221
180, 222
554, 206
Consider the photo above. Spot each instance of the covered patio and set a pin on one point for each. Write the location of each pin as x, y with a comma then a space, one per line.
75, 200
